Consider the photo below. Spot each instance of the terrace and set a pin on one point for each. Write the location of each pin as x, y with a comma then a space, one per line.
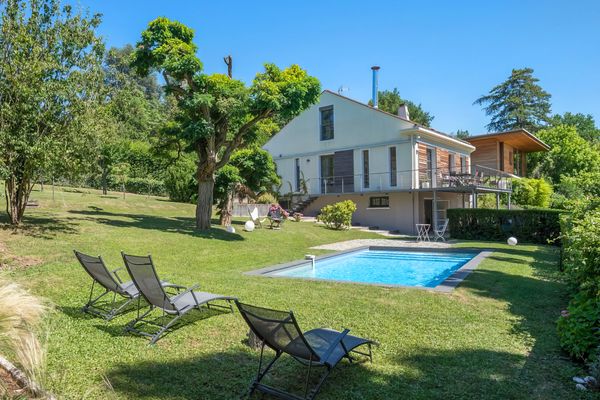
480, 179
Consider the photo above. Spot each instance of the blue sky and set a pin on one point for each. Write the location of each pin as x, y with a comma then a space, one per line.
439, 53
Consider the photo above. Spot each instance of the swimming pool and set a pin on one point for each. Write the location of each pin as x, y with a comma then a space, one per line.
427, 269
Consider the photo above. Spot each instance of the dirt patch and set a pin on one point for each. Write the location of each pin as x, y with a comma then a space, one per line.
10, 261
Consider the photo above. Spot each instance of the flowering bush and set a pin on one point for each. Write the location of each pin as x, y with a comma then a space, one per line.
277, 209
297, 216
338, 215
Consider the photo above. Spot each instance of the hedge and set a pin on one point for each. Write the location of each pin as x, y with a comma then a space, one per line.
530, 225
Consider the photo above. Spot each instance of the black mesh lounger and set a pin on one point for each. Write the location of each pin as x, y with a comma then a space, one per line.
111, 282
145, 278
321, 347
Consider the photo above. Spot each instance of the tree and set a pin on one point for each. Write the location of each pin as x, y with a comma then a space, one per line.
584, 124
462, 134
217, 114
249, 172
518, 102
390, 101
569, 154
50, 77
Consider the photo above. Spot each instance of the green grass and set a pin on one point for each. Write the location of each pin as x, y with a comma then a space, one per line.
493, 337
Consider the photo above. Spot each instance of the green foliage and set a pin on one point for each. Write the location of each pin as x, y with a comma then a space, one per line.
569, 154
179, 180
146, 186
390, 101
266, 198
227, 178
584, 124
580, 185
578, 327
581, 246
257, 168
531, 225
339, 215
50, 86
531, 192
518, 102
217, 114
462, 134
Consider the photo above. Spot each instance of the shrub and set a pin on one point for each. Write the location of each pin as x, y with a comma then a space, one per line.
531, 225
581, 246
179, 180
578, 326
266, 198
338, 215
531, 192
145, 186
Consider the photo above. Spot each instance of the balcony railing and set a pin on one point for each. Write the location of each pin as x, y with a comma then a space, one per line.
437, 178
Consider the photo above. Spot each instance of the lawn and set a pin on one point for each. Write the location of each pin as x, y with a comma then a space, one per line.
493, 337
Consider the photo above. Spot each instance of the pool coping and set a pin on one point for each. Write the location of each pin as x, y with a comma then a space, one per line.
446, 286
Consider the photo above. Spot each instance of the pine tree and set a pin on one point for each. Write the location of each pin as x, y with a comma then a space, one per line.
518, 102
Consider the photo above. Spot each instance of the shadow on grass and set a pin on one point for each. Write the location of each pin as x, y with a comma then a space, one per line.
426, 374
185, 225
38, 226
535, 301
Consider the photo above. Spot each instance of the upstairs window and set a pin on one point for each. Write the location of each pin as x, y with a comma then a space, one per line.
326, 122
366, 169
393, 167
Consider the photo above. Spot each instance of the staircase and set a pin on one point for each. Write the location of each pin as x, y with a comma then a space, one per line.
301, 206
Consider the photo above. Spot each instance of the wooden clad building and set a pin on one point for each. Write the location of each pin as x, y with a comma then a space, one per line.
505, 151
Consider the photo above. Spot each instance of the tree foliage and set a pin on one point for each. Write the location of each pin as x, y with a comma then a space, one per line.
531, 192
390, 100
217, 114
569, 154
584, 124
50, 79
518, 102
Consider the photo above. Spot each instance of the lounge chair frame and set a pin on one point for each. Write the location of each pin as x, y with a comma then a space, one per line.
92, 307
173, 314
313, 361
256, 218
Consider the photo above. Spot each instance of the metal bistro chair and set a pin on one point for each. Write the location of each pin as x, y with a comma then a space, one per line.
321, 347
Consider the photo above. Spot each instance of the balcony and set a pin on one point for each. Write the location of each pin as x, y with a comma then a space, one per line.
479, 179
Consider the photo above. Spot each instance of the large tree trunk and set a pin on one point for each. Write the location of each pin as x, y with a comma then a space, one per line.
17, 194
227, 210
205, 200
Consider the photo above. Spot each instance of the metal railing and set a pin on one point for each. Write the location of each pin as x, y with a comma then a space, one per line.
479, 177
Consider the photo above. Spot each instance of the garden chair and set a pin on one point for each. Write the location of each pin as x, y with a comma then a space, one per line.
145, 278
279, 331
440, 231
111, 282
255, 217
276, 219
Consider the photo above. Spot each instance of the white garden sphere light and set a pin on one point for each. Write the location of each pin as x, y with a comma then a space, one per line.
230, 229
512, 241
249, 226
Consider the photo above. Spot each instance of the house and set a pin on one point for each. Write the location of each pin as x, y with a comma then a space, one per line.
505, 151
398, 173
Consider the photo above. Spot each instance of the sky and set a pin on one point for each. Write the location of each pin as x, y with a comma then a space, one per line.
442, 54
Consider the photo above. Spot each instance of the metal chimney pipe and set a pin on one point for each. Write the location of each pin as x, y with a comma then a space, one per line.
375, 85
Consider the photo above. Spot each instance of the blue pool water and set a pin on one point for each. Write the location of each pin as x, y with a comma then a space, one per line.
386, 267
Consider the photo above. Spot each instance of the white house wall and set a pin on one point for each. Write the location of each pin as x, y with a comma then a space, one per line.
398, 216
